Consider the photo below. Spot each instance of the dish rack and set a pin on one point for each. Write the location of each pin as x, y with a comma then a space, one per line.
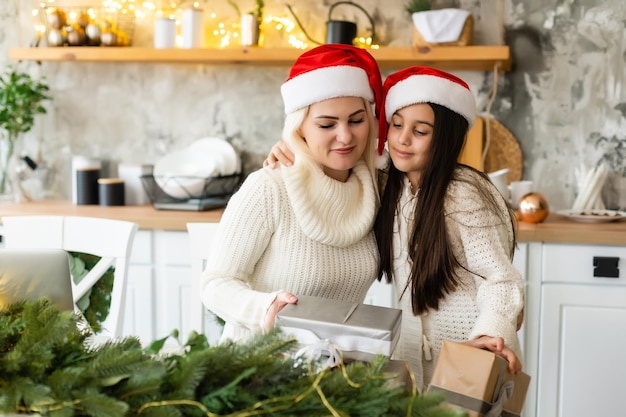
215, 193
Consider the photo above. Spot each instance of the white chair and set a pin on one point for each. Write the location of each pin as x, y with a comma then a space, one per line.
109, 239
201, 236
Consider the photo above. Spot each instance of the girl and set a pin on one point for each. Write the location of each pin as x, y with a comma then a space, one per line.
445, 234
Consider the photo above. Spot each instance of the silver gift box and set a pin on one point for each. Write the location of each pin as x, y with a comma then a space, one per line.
351, 327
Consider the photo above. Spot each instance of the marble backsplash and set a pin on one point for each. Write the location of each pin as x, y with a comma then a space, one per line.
564, 99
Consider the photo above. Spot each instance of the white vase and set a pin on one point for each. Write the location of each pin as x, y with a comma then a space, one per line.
7, 169
250, 30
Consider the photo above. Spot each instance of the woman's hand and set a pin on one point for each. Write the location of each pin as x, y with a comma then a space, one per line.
497, 346
282, 299
280, 153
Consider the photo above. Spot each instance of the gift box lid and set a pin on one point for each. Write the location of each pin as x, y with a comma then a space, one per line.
474, 378
332, 319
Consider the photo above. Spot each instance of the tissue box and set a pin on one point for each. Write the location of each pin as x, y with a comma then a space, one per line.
351, 327
472, 379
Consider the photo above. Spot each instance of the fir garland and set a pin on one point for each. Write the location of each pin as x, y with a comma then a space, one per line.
47, 368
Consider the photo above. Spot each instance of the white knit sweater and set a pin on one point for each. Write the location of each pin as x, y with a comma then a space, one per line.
293, 229
479, 306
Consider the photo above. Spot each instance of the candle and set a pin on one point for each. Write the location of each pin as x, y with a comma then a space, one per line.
164, 32
192, 29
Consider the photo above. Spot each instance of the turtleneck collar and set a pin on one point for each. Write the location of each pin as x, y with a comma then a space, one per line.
329, 211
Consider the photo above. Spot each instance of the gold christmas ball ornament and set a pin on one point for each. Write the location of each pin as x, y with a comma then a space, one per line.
122, 39
83, 20
93, 32
533, 208
107, 25
56, 37
56, 18
76, 36
108, 38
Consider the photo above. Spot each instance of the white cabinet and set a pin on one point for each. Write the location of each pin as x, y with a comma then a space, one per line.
582, 333
139, 318
158, 280
520, 261
173, 282
160, 295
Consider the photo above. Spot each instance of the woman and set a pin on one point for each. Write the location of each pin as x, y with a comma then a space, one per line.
446, 236
289, 231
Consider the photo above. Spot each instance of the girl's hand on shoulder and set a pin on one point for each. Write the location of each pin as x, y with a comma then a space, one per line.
282, 299
497, 346
280, 152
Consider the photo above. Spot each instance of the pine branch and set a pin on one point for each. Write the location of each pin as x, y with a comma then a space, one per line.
61, 377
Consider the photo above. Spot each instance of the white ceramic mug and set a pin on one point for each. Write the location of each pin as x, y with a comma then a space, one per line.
518, 189
498, 178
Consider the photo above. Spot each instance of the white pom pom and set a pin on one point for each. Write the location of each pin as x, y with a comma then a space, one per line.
381, 161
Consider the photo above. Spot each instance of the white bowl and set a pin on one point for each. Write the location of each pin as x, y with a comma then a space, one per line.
226, 159
183, 174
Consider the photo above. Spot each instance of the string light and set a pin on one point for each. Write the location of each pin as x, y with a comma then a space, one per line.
219, 33
286, 25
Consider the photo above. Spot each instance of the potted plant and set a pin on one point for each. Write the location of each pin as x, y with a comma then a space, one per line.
416, 6
21, 98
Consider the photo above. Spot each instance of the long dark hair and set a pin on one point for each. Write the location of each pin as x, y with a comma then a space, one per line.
432, 259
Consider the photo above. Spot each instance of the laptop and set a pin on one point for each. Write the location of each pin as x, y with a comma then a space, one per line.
29, 274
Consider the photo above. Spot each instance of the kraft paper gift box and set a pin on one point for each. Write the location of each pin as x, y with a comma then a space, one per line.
350, 327
478, 381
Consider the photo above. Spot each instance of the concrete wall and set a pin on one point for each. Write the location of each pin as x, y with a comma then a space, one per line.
564, 99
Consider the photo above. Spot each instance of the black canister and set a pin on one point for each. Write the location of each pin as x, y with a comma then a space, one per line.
111, 191
87, 185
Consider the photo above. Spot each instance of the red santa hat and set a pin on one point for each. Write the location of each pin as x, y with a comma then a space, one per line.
417, 84
331, 71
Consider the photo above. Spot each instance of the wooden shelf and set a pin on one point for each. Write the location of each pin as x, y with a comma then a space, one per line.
477, 58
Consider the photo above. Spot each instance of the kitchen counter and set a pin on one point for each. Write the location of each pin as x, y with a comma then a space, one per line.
145, 216
554, 229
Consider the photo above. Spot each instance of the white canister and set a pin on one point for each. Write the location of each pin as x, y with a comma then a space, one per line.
134, 192
192, 28
164, 33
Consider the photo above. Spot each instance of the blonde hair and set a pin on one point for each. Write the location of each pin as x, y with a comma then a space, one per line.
293, 122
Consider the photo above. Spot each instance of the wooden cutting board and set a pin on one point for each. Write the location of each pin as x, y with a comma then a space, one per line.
472, 152
503, 150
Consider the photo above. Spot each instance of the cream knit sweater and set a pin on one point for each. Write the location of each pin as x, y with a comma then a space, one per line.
293, 229
479, 306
